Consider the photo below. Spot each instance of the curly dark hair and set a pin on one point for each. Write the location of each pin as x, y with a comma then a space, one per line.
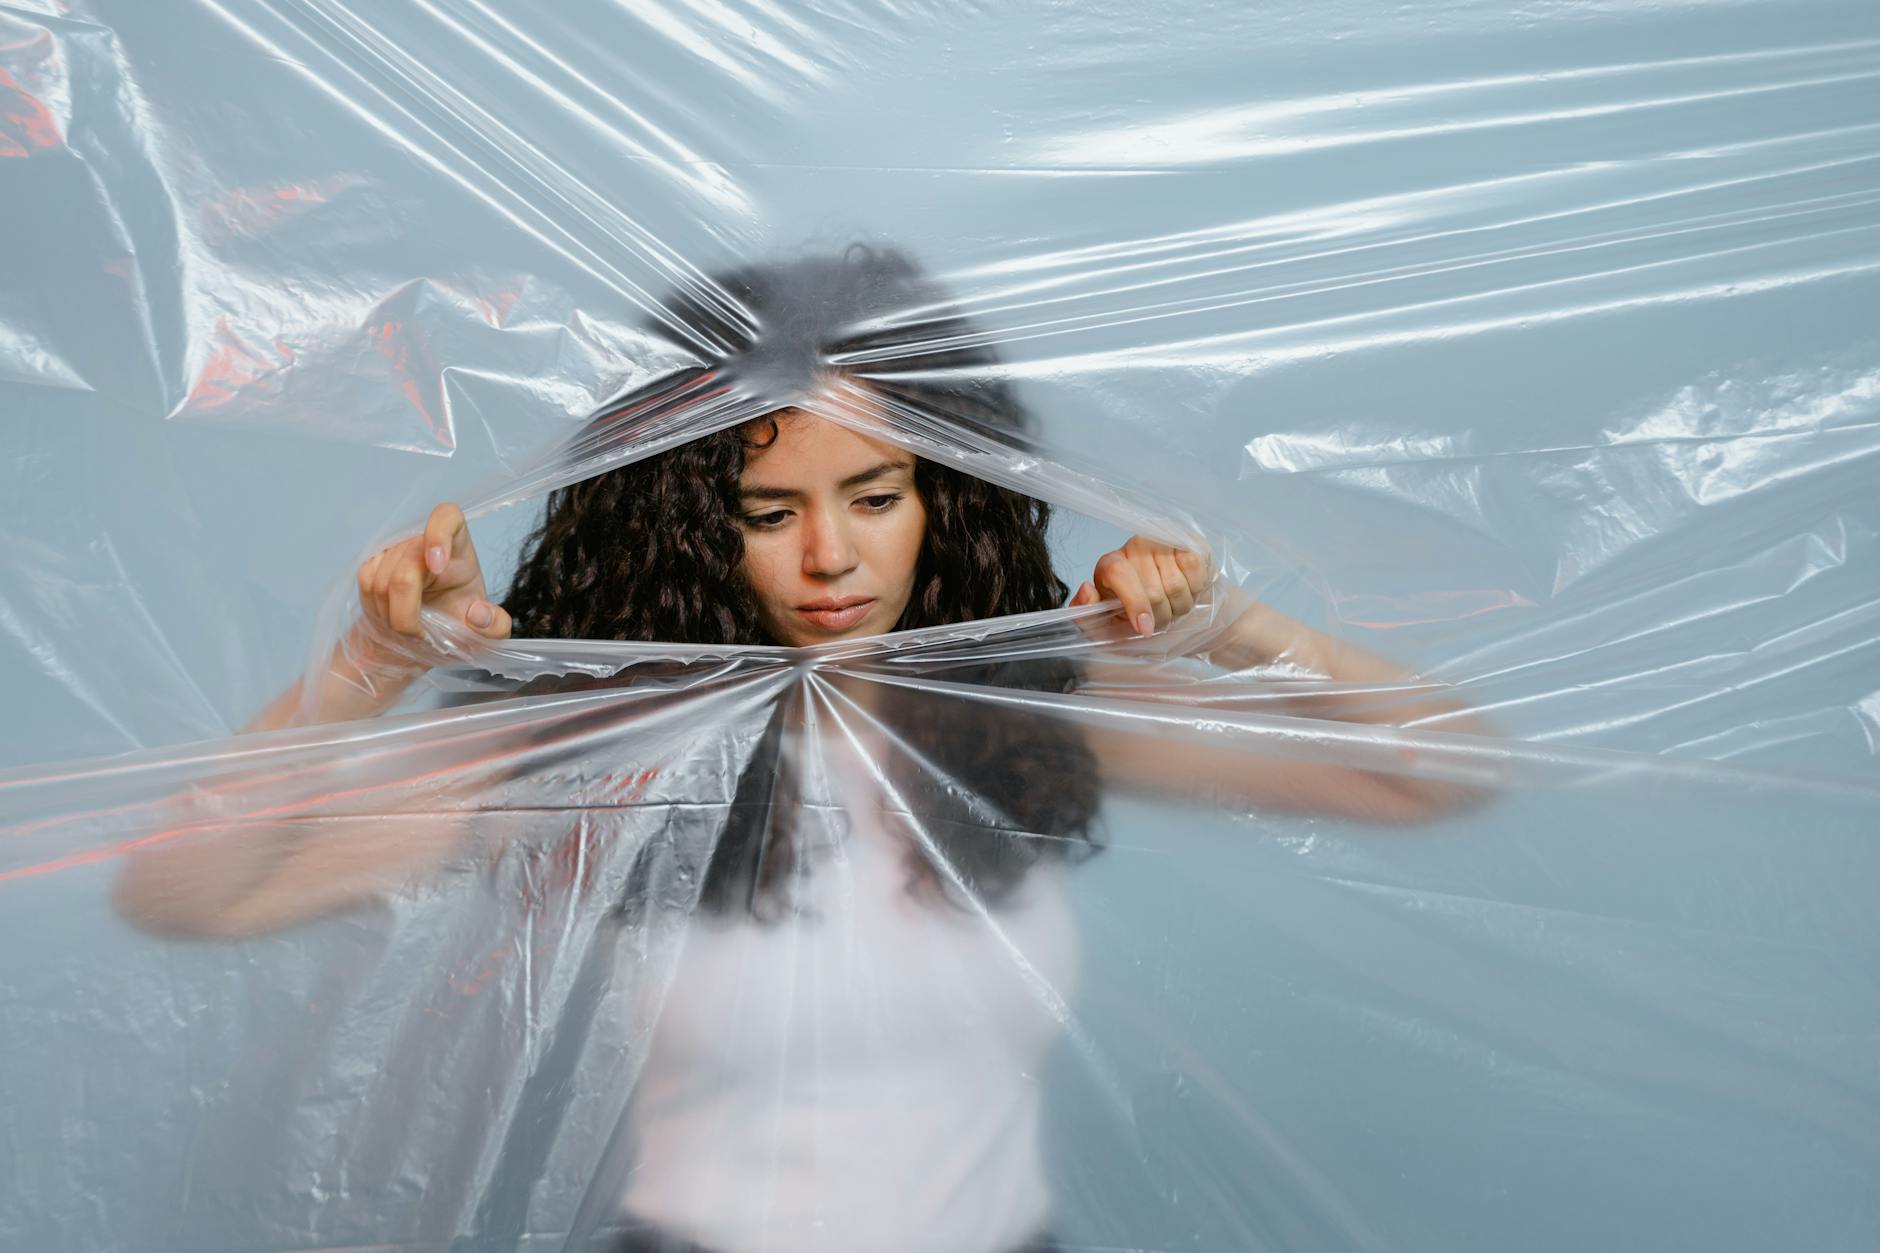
651, 550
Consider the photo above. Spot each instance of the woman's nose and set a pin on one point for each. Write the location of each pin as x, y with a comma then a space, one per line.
828, 550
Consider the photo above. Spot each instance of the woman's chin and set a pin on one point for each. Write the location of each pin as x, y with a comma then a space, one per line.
861, 631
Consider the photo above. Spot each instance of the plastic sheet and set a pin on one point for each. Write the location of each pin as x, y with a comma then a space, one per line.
1485, 861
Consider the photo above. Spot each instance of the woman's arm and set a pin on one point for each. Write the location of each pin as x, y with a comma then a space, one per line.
1341, 683
1357, 686
362, 679
384, 651
233, 879
260, 874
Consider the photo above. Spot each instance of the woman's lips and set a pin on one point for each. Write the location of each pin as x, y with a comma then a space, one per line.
836, 615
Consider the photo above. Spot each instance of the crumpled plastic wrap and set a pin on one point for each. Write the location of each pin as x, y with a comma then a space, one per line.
1530, 349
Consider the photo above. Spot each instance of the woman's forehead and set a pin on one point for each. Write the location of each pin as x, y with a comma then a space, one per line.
807, 443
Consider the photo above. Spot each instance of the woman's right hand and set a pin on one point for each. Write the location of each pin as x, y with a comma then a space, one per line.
436, 570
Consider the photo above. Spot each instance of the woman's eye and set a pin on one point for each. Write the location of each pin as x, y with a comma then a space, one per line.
766, 521
880, 504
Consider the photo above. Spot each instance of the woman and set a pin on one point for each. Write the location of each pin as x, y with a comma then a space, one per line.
914, 1123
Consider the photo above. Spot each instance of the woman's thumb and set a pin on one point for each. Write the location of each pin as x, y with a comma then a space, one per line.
488, 620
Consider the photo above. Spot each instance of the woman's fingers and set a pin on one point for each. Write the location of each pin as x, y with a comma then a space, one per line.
1155, 582
1150, 576
1194, 568
369, 582
404, 588
1116, 575
1181, 598
383, 566
488, 620
450, 561
446, 544
437, 568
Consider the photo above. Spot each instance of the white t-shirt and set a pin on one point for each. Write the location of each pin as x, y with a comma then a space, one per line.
860, 1076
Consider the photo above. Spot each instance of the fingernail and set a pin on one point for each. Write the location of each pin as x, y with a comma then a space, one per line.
435, 558
1145, 623
481, 614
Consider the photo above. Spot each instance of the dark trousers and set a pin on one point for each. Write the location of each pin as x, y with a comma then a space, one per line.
646, 1238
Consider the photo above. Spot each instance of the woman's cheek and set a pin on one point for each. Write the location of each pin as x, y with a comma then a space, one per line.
760, 575
915, 536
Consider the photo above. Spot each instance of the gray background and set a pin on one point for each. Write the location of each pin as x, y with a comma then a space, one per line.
1533, 347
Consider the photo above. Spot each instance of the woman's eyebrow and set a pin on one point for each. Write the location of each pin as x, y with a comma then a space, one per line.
757, 491
874, 472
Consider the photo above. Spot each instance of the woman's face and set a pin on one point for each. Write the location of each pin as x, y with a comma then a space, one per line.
832, 529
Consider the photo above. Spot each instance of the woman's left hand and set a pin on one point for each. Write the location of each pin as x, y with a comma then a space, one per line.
1156, 583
